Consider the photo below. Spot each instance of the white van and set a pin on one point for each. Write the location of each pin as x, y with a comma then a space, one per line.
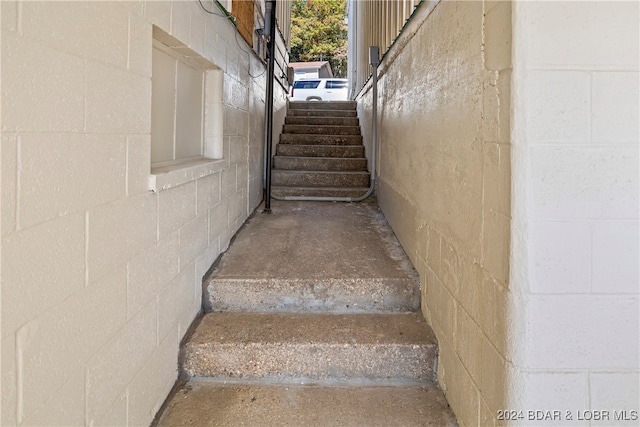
320, 90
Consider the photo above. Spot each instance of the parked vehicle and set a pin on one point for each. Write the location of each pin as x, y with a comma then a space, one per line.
320, 90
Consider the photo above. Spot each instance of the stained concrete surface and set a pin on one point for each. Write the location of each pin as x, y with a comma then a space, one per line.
317, 324
312, 347
204, 404
315, 256
316, 240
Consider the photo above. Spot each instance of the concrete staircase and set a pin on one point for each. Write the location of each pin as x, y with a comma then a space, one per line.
320, 152
312, 319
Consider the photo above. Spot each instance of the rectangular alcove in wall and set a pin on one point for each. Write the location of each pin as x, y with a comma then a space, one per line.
186, 113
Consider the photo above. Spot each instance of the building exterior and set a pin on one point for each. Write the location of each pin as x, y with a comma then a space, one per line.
508, 168
311, 70
112, 209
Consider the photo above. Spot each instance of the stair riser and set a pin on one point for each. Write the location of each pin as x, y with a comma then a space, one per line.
315, 105
352, 192
312, 179
317, 362
320, 296
344, 151
322, 130
319, 164
320, 139
322, 113
331, 192
322, 121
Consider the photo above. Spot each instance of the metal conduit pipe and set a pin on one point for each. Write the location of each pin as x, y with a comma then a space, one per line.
270, 30
374, 61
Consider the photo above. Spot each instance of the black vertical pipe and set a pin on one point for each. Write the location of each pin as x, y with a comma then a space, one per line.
269, 104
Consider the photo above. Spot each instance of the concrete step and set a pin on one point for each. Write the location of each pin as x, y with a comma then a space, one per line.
314, 256
301, 150
353, 192
326, 121
310, 139
321, 295
326, 130
322, 105
320, 163
206, 404
312, 348
290, 178
322, 113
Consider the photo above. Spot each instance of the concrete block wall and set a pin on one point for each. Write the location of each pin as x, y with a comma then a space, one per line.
508, 168
100, 276
576, 236
444, 185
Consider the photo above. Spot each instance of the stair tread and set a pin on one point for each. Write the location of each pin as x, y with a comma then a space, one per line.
334, 151
296, 126
316, 127
292, 171
319, 163
298, 191
325, 146
364, 189
319, 234
320, 139
329, 270
320, 178
303, 405
323, 113
316, 135
325, 158
403, 329
322, 120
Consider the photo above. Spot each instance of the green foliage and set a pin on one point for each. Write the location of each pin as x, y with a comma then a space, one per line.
319, 32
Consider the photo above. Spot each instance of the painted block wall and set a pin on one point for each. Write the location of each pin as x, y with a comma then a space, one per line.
444, 186
575, 202
100, 276
509, 171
